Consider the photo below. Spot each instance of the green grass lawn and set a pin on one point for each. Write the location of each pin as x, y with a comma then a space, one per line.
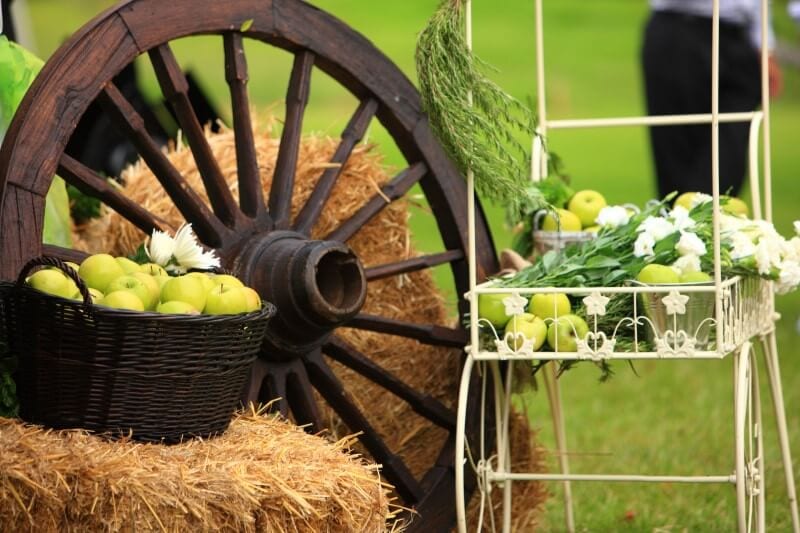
674, 417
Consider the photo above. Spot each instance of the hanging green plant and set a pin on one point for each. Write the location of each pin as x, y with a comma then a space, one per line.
476, 122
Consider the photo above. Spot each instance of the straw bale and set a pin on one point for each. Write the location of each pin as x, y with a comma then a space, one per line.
411, 297
263, 474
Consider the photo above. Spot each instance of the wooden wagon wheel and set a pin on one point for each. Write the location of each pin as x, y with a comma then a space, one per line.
318, 285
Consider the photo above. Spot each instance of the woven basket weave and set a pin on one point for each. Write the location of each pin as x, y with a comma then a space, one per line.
154, 376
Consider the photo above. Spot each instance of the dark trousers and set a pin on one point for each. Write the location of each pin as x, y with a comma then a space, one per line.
676, 59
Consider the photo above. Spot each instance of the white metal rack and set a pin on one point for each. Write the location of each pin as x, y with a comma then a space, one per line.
741, 312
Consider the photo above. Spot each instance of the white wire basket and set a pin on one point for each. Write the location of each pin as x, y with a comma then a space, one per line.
693, 320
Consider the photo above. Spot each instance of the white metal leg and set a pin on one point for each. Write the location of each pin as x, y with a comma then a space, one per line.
770, 347
460, 462
749, 445
554, 398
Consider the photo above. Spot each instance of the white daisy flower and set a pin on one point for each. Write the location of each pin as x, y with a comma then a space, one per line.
189, 254
160, 247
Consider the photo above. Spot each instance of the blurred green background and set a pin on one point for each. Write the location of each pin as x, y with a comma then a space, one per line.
673, 418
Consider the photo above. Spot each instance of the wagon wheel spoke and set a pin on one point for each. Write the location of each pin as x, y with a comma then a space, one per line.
91, 183
351, 135
280, 195
424, 404
412, 265
251, 197
206, 225
424, 333
390, 192
392, 466
176, 90
300, 394
65, 254
273, 389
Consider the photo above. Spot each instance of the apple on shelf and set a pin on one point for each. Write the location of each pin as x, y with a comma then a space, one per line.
549, 305
492, 308
562, 220
586, 205
565, 332
529, 326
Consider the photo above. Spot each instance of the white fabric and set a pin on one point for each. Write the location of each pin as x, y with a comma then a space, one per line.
746, 13
794, 10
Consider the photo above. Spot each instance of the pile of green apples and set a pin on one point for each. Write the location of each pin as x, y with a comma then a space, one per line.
121, 283
563, 332
580, 213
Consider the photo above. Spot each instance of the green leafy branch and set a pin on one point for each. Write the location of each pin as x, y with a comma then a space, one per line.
476, 121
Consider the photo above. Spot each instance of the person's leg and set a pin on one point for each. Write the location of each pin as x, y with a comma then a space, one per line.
669, 58
740, 90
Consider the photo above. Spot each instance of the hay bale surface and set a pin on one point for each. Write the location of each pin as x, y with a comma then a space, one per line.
262, 475
412, 297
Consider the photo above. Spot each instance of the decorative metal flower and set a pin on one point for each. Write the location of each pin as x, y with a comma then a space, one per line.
596, 304
515, 304
675, 303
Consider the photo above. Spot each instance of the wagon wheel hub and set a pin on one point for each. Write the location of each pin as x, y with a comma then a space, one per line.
316, 285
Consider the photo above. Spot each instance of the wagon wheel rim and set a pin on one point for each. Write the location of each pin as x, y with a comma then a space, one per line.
250, 232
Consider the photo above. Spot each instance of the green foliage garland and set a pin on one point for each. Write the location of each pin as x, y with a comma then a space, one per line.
478, 133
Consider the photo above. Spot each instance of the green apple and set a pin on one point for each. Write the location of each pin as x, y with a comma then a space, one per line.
531, 326
563, 334
122, 300
654, 274
161, 280
187, 289
52, 281
226, 279
586, 205
153, 285
253, 299
204, 279
549, 305
99, 270
133, 284
127, 265
592, 229
226, 300
569, 221
735, 206
154, 269
492, 308
685, 200
694, 277
94, 293
177, 308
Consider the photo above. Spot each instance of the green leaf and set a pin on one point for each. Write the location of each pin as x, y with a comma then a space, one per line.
18, 68
57, 222
601, 261
246, 25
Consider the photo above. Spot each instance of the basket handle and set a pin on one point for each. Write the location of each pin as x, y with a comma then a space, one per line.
61, 265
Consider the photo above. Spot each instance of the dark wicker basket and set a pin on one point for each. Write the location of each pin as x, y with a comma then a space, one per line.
154, 376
